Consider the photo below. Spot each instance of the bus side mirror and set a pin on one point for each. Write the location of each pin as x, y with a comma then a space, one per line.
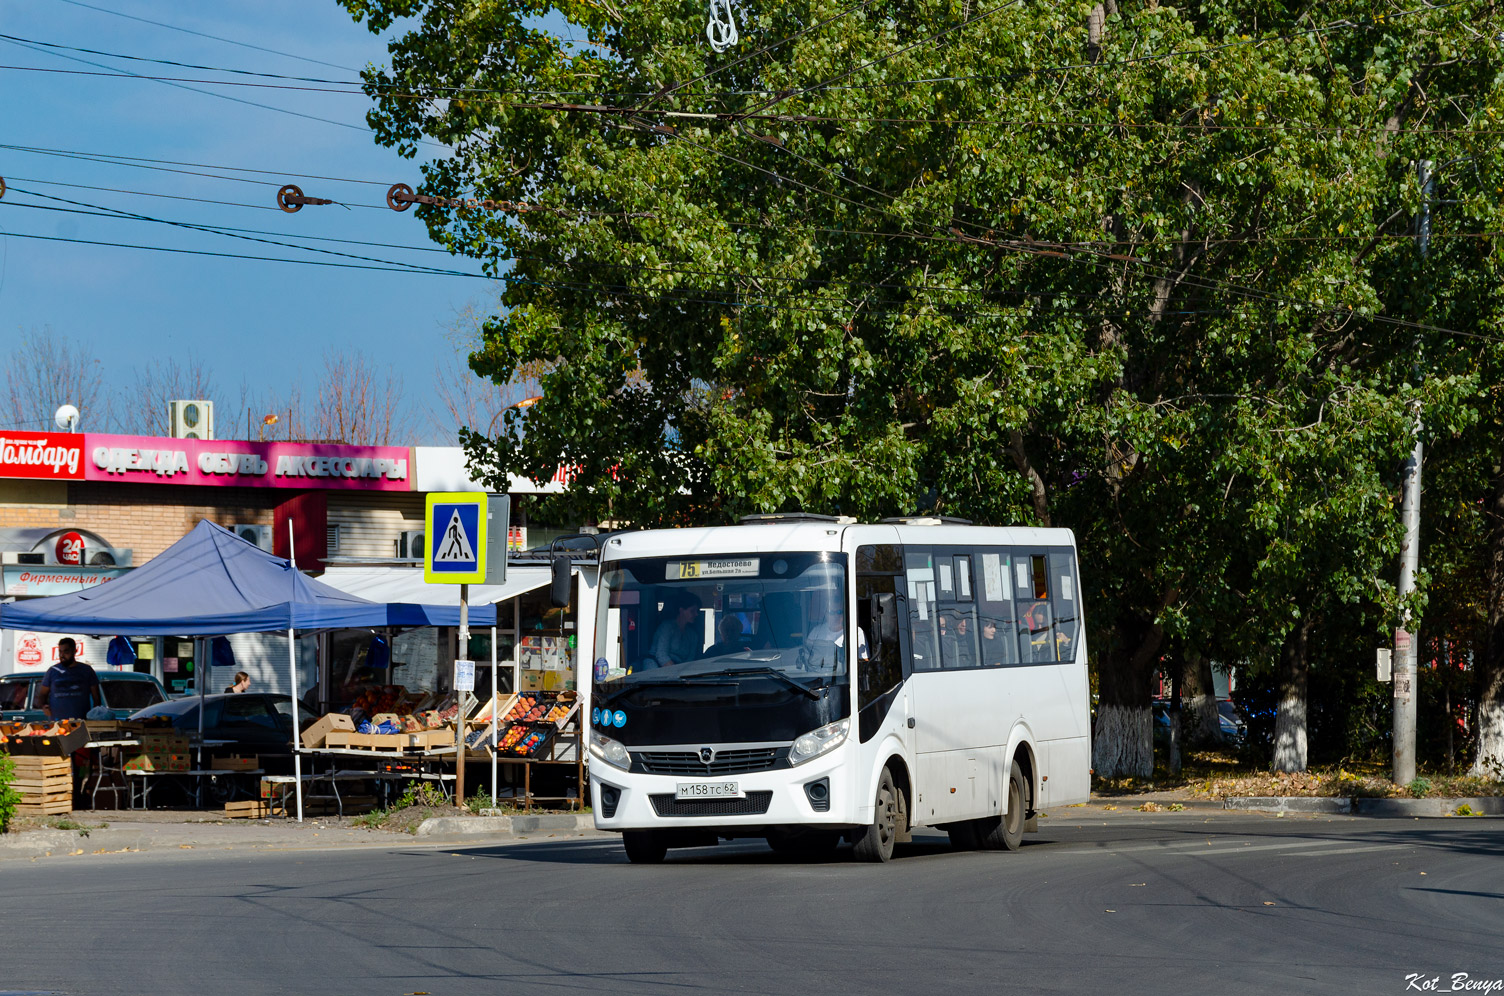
885, 617
559, 583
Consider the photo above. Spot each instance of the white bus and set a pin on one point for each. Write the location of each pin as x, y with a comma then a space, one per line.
808, 679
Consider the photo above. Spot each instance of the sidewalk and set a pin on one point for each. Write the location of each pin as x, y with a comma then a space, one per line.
126, 832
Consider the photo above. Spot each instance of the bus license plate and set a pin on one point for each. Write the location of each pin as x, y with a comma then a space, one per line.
709, 790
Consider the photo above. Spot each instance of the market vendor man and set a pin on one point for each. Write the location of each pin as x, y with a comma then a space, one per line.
70, 687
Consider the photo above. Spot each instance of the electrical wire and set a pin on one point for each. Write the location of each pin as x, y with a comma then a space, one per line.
228, 228
201, 34
227, 234
141, 162
148, 193
211, 93
465, 91
422, 271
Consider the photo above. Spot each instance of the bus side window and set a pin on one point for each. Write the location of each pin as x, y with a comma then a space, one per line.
1067, 603
919, 572
997, 626
1035, 620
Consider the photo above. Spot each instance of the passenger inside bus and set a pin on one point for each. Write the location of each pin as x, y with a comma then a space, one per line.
829, 635
730, 638
680, 636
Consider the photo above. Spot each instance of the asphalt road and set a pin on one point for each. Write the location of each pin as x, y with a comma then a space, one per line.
1094, 903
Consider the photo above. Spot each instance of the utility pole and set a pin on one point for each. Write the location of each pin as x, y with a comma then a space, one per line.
1406, 640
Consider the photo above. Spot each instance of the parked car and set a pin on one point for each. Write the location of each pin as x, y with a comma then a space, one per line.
249, 723
124, 692
1234, 727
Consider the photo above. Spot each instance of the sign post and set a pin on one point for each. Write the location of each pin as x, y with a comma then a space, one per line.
467, 544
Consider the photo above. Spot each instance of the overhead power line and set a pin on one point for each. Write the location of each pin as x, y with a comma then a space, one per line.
203, 34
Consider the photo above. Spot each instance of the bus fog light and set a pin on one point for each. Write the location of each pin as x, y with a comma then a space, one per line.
818, 742
610, 751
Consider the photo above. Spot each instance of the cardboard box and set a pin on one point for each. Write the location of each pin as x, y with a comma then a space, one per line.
235, 762
315, 735
429, 739
532, 681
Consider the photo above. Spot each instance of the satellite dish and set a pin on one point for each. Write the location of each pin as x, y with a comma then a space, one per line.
66, 418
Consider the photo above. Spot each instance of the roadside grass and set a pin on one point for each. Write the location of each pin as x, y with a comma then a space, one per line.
1217, 774
424, 801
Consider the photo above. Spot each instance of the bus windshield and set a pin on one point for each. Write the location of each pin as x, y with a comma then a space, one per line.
722, 647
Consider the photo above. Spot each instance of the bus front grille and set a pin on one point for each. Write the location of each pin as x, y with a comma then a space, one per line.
755, 804
726, 762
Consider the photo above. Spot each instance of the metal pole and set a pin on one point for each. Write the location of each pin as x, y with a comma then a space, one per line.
1406, 639
459, 719
495, 704
292, 659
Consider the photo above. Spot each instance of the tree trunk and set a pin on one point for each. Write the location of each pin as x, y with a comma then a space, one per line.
1123, 745
1290, 721
1203, 728
1177, 685
1490, 760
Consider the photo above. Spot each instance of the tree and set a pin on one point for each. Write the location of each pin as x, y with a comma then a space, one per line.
1138, 273
356, 403
45, 371
162, 380
464, 400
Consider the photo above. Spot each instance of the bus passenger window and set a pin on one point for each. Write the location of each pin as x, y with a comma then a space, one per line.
997, 628
1067, 604
919, 572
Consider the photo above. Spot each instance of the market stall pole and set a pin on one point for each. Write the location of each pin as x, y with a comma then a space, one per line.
292, 666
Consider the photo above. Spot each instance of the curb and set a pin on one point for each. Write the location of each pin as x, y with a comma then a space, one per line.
460, 826
1360, 806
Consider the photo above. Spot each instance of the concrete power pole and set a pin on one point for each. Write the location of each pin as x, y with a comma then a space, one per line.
1406, 639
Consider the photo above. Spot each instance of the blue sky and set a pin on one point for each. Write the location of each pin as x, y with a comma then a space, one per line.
262, 323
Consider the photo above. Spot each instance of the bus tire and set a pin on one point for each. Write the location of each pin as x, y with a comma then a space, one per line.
1006, 833
875, 842
644, 847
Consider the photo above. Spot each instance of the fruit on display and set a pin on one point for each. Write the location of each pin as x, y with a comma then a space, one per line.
530, 743
513, 735
557, 714
520, 708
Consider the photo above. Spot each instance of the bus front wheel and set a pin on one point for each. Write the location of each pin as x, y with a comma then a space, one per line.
644, 847
875, 842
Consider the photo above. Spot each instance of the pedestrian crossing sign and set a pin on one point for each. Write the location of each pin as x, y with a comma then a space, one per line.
459, 527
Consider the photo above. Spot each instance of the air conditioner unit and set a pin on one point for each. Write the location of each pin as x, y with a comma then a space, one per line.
192, 419
410, 545
17, 557
258, 536
108, 557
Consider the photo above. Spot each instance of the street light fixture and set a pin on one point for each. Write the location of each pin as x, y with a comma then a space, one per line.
524, 403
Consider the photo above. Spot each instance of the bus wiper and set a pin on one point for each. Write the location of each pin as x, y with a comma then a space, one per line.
771, 672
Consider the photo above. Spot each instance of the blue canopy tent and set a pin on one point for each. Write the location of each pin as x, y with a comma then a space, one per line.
213, 583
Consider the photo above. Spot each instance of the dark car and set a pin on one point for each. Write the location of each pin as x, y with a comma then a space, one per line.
249, 723
124, 692
1234, 727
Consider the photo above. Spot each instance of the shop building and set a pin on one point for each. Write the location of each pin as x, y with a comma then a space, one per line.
78, 509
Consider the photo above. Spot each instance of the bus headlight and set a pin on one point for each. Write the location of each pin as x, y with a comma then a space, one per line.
817, 742
610, 751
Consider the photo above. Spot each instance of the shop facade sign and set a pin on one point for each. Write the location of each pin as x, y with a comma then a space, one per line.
244, 464
28, 581
42, 456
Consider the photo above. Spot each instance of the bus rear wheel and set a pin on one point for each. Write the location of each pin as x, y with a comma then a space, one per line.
644, 847
875, 842
1006, 833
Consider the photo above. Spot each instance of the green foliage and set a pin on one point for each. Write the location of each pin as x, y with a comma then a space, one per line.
933, 257
9, 797
1419, 788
